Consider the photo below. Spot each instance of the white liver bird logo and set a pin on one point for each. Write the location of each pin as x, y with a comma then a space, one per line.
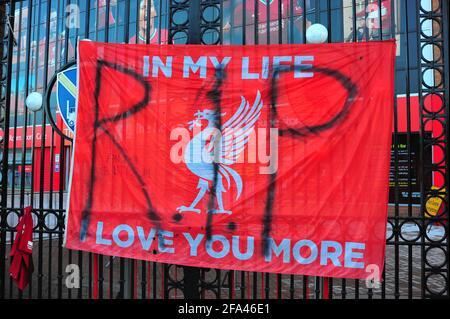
203, 150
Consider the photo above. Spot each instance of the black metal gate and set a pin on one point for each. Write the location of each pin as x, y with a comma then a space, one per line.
39, 40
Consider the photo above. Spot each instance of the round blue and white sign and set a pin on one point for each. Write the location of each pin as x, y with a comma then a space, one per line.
66, 96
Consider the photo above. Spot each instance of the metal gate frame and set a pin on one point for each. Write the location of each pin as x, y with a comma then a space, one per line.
170, 281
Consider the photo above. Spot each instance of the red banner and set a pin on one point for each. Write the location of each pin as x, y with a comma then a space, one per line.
260, 158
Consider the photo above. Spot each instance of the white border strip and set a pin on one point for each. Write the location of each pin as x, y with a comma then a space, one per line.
73, 146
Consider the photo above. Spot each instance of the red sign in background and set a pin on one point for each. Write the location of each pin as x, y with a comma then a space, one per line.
300, 167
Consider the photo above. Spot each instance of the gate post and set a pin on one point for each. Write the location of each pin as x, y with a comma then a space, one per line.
194, 36
434, 94
192, 274
5, 96
192, 31
191, 282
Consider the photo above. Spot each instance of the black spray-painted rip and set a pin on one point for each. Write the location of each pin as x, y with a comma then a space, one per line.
299, 132
98, 124
215, 96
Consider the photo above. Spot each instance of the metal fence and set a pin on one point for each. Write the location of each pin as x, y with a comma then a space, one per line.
39, 40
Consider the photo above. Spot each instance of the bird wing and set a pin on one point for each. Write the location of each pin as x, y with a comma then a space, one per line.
236, 131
